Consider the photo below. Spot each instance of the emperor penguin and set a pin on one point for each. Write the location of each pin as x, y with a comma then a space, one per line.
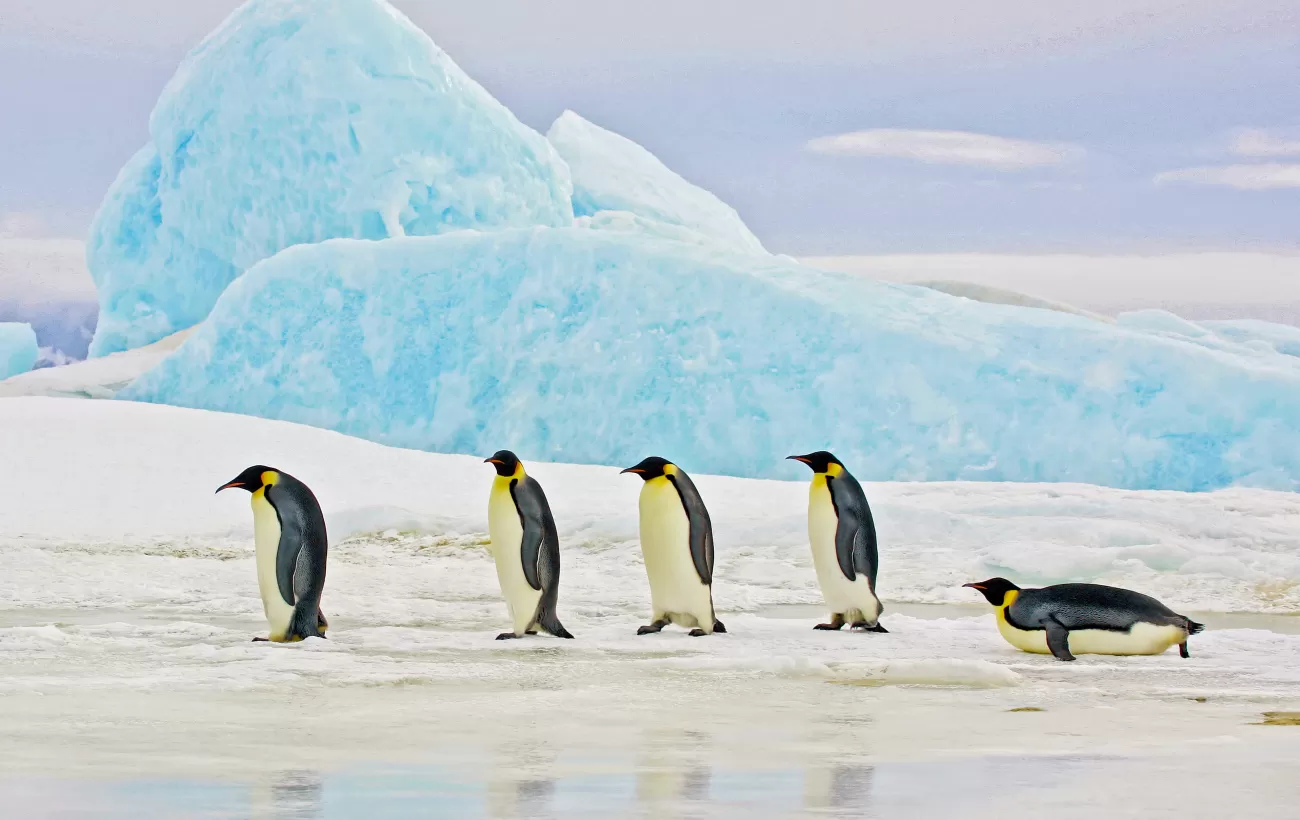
842, 535
677, 545
1089, 619
526, 548
289, 533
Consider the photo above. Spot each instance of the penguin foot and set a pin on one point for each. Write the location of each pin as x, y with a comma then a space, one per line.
697, 633
829, 626
261, 640
652, 628
531, 632
719, 627
861, 626
1182, 650
505, 636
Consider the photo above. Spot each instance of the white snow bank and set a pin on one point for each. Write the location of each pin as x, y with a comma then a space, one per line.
98, 378
131, 485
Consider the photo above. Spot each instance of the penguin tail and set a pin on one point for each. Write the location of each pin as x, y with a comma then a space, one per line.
306, 622
1193, 627
547, 620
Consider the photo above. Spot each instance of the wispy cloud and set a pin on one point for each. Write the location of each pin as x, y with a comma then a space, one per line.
1262, 177
947, 148
1261, 142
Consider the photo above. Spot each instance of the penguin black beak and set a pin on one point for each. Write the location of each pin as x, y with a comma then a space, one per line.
631, 470
980, 587
228, 486
493, 461
797, 458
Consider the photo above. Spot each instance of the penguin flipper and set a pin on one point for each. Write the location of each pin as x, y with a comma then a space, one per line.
1058, 640
701, 527
534, 514
292, 532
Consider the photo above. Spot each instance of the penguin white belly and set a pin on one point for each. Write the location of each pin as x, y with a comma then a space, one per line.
1142, 639
266, 538
852, 599
507, 534
676, 591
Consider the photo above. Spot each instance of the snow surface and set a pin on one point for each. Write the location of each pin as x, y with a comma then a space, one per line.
128, 595
100, 378
297, 121
602, 346
141, 491
18, 349
613, 173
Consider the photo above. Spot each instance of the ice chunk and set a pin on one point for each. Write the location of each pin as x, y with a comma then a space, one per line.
1161, 321
295, 122
613, 173
17, 348
1268, 344
1283, 339
1002, 296
96, 378
603, 347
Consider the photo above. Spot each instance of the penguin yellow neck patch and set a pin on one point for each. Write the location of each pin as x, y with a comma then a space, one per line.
1010, 598
270, 477
670, 469
834, 470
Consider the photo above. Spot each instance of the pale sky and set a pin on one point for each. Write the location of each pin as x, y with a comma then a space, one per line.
835, 127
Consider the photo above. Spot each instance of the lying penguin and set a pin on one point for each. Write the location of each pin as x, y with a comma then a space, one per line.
1090, 619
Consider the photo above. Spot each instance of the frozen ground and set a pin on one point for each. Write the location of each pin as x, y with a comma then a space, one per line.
127, 600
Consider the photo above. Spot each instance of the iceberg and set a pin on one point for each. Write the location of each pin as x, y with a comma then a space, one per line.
297, 121
18, 348
613, 173
1267, 343
604, 346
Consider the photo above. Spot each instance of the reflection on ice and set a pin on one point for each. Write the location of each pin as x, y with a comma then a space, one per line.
838, 787
289, 795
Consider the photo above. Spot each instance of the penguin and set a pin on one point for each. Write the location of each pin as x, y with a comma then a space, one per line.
842, 535
677, 544
289, 533
1090, 619
526, 548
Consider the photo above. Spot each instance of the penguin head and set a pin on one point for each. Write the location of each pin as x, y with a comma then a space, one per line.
820, 461
652, 467
252, 479
994, 589
505, 462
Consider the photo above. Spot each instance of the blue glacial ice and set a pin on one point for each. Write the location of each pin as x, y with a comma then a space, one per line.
604, 346
298, 121
18, 348
1267, 343
613, 173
